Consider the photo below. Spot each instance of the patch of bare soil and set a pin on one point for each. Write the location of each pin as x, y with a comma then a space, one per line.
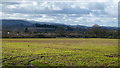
113, 55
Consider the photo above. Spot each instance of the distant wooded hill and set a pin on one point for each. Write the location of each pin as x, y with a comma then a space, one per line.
32, 29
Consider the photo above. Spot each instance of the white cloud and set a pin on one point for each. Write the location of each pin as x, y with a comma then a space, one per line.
12, 6
35, 3
53, 7
1, 13
44, 19
112, 10
65, 0
73, 6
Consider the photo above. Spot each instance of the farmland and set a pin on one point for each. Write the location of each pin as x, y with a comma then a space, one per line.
60, 52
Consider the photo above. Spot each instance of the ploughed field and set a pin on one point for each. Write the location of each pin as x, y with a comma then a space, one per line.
60, 52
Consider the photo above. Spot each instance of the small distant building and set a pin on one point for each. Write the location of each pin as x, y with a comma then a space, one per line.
8, 32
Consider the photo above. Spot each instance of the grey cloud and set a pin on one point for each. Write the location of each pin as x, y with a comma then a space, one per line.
97, 5
9, 3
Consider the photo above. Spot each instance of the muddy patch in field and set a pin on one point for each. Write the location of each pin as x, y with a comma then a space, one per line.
113, 55
26, 60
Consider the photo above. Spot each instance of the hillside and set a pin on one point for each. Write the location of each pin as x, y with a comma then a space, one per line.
41, 29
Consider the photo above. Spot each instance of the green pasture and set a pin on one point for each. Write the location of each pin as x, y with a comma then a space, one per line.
60, 52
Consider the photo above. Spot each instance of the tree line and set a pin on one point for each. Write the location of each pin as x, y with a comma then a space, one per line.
55, 31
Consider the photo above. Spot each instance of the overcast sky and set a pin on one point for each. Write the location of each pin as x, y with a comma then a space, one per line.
80, 12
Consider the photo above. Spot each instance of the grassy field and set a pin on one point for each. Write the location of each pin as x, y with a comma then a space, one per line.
60, 52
